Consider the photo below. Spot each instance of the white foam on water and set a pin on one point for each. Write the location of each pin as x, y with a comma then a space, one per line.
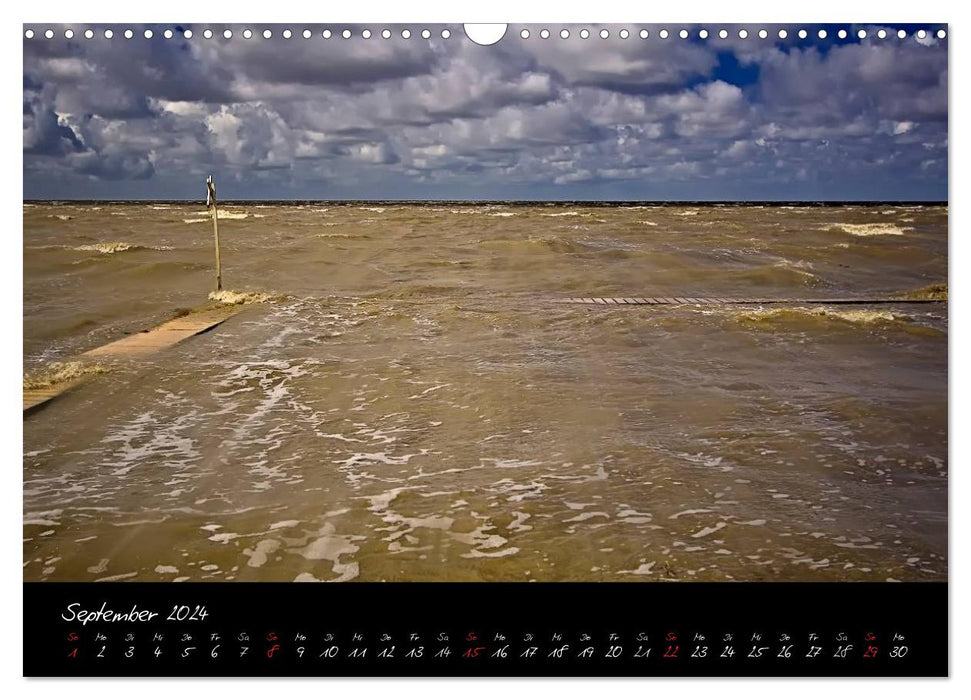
338, 436
599, 475
517, 524
231, 297
629, 515
372, 458
454, 470
306, 577
117, 577
577, 506
108, 247
428, 391
331, 547
223, 214
477, 554
431, 522
875, 229
273, 378
706, 460
642, 570
586, 516
224, 537
693, 511
152, 439
284, 523
99, 568
704, 532
512, 463
854, 545
520, 492
862, 316
382, 501
259, 555
277, 340
479, 539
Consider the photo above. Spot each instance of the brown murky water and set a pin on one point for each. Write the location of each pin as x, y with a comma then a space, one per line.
411, 405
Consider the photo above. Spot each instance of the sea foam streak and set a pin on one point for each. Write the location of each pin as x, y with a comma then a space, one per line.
108, 248
850, 315
204, 216
58, 372
228, 296
871, 229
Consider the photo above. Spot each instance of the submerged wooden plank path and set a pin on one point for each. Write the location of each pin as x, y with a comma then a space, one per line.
136, 345
35, 397
165, 335
720, 301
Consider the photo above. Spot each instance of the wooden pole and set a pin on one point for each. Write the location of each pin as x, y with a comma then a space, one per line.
211, 204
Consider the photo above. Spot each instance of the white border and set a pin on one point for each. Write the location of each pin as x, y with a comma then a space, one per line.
512, 11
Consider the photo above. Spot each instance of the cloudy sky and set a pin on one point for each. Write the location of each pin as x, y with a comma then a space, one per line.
614, 118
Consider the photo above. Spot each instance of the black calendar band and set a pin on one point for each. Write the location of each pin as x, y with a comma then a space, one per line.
501, 629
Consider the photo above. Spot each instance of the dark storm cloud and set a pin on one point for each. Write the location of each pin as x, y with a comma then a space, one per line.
615, 118
43, 133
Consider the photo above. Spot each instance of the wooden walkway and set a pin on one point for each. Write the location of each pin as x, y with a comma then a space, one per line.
716, 301
136, 345
164, 336
33, 398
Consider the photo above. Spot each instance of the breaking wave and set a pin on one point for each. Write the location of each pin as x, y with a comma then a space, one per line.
859, 316
110, 247
204, 216
230, 297
59, 372
870, 229
931, 291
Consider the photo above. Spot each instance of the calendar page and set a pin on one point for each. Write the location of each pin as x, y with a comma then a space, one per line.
538, 349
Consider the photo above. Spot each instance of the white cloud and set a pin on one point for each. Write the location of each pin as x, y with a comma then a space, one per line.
451, 113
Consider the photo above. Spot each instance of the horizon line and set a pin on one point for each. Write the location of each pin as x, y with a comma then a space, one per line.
937, 202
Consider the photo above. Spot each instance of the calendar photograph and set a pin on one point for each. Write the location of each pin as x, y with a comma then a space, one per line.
434, 304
